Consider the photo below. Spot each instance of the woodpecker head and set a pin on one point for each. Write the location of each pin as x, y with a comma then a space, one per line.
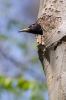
33, 28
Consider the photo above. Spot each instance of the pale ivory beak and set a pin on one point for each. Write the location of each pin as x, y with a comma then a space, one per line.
24, 30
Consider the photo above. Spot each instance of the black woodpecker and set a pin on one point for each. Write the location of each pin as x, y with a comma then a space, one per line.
33, 28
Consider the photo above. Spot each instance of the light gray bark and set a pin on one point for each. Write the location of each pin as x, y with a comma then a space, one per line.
52, 46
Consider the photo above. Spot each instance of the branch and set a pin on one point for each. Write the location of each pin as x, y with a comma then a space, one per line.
16, 63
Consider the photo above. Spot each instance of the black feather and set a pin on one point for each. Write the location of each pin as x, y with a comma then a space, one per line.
35, 29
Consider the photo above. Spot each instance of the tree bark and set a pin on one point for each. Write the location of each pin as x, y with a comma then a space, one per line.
52, 46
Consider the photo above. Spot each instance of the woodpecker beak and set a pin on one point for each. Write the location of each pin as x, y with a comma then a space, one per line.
24, 30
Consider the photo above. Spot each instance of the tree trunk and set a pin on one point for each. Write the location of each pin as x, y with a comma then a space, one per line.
52, 46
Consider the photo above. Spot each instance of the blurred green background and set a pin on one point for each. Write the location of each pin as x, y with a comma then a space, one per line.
21, 73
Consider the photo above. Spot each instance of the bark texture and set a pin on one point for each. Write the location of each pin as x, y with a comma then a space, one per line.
52, 46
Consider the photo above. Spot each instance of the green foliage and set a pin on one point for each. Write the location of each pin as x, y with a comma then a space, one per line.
11, 22
7, 83
38, 91
22, 84
33, 59
3, 37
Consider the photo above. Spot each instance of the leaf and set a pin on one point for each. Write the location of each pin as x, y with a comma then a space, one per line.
24, 84
7, 82
1, 80
20, 81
